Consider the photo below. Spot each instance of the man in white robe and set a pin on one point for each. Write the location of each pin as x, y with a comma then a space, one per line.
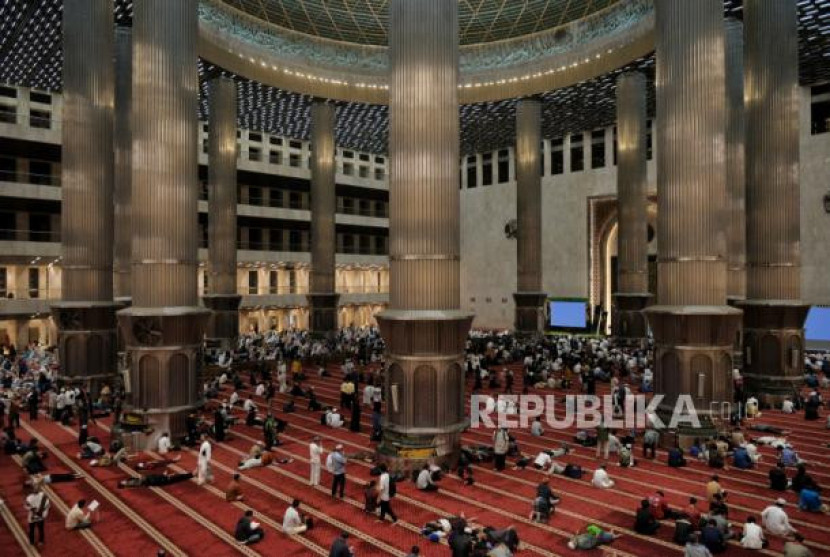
203, 472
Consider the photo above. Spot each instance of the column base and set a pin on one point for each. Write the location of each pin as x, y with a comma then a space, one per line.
424, 387
628, 320
87, 342
693, 360
530, 311
163, 367
405, 451
223, 323
322, 313
773, 348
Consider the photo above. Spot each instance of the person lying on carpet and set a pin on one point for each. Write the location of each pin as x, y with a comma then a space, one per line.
766, 428
592, 537
155, 480
91, 449
39, 480
443, 527
156, 464
262, 460
109, 459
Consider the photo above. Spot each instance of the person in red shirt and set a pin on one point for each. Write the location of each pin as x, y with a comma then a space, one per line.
693, 513
659, 507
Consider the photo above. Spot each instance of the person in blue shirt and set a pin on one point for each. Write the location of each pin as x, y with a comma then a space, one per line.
787, 456
809, 500
712, 537
741, 459
676, 459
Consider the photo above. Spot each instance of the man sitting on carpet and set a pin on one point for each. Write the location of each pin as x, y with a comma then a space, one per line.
76, 518
778, 478
694, 548
292, 521
247, 531
775, 519
644, 521
601, 478
809, 500
234, 492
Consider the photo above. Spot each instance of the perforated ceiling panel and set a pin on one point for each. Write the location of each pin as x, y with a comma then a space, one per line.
30, 55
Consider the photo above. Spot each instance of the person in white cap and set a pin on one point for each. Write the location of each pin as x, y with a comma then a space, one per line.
775, 519
333, 418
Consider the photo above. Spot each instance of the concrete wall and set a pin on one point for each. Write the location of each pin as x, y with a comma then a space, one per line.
488, 262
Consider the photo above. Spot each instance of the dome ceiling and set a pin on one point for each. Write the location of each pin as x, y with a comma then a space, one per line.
366, 21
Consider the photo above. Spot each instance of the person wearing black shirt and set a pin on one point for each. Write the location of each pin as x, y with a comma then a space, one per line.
713, 538
219, 426
778, 478
644, 522
340, 547
245, 532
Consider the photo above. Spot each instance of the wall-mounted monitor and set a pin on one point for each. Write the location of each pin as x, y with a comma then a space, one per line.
817, 326
568, 314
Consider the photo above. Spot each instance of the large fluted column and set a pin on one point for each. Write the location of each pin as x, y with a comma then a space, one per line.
322, 298
735, 165
223, 298
529, 297
163, 329
86, 315
773, 312
632, 183
424, 329
693, 327
122, 278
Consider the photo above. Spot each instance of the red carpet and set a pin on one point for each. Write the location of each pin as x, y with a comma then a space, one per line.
193, 520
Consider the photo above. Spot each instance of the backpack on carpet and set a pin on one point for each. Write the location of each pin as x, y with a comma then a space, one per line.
573, 471
330, 463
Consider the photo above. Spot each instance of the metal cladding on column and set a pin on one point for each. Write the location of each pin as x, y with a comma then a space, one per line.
223, 298
122, 136
529, 298
424, 329
85, 317
773, 312
163, 329
632, 184
693, 327
322, 298
735, 164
